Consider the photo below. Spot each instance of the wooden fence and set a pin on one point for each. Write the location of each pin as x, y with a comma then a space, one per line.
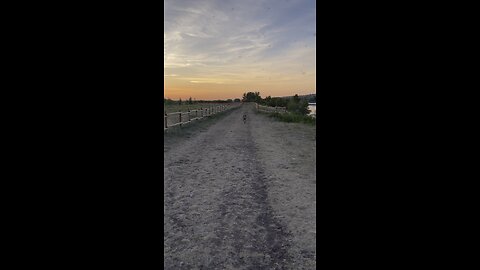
182, 118
270, 109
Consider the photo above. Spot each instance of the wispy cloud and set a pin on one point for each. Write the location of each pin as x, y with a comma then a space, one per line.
239, 43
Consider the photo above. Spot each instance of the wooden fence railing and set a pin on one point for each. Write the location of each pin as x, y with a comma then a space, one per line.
182, 118
270, 109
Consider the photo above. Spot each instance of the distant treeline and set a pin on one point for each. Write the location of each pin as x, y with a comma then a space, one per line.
295, 104
190, 101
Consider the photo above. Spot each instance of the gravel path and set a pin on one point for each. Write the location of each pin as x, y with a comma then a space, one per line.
240, 196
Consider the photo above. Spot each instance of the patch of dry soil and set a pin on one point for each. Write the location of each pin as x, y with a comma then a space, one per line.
240, 196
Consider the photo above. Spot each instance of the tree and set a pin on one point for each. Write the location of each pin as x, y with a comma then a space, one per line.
168, 101
303, 107
268, 101
180, 102
296, 98
279, 102
292, 106
298, 106
252, 97
258, 98
190, 100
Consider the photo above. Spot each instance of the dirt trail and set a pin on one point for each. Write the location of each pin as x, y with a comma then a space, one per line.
240, 196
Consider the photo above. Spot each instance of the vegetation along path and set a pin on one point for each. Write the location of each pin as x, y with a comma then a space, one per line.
240, 196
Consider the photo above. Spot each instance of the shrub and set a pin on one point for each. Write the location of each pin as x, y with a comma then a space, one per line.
294, 118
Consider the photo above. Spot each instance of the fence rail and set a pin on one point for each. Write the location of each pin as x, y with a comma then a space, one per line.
181, 118
271, 109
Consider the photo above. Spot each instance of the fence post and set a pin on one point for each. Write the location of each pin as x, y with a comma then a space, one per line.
180, 118
188, 113
166, 120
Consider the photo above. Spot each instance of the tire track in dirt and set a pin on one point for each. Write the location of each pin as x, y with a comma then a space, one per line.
245, 203
217, 212
286, 151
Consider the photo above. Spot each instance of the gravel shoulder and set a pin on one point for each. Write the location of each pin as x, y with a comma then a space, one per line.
240, 196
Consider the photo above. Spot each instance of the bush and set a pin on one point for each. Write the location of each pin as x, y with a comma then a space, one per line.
297, 106
294, 118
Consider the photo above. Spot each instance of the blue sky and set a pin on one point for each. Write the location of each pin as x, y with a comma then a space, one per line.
220, 49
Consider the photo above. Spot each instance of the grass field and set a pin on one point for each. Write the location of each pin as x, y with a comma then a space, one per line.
186, 107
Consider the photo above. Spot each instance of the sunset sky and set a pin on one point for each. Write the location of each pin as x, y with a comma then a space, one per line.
219, 49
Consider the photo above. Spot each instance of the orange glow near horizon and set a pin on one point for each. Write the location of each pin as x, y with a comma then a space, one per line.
184, 89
